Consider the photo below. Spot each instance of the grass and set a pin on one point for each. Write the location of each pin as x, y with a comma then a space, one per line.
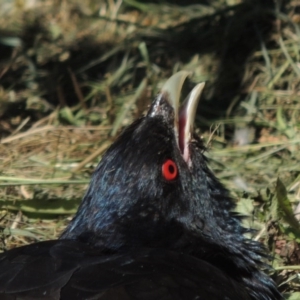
72, 75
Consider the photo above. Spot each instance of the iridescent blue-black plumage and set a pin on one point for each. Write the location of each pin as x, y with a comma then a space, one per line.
138, 235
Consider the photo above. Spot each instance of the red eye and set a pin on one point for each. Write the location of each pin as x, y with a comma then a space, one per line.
169, 169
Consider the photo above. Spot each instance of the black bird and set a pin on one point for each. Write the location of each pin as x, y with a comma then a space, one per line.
155, 223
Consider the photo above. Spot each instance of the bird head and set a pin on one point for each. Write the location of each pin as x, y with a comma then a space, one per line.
151, 185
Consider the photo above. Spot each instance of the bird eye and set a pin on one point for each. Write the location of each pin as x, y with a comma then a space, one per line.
169, 170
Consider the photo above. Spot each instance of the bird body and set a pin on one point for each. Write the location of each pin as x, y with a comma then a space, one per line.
155, 223
68, 269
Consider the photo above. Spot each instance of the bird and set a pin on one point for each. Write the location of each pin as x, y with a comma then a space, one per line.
155, 223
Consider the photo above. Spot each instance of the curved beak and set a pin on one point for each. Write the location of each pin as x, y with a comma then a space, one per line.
181, 118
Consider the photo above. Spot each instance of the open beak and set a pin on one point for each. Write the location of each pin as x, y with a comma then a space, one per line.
181, 117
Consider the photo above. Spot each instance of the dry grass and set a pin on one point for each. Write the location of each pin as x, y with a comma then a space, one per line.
73, 74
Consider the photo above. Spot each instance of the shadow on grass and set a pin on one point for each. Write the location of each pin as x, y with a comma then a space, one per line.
231, 35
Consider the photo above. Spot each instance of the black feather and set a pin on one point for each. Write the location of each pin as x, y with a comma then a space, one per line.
77, 271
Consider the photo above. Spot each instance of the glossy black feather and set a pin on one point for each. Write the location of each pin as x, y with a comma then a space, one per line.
137, 235
77, 271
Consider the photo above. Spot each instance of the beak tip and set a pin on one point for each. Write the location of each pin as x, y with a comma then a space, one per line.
172, 88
